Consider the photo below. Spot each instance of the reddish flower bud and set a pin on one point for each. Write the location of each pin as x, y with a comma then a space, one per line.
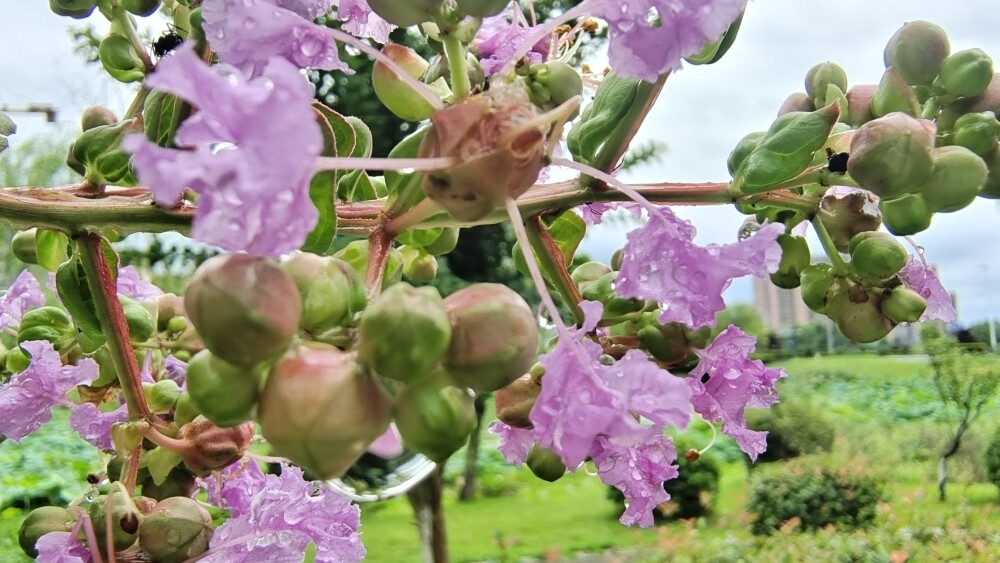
917, 50
514, 402
212, 447
891, 155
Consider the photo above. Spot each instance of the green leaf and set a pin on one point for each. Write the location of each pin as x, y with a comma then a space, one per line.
323, 185
71, 284
158, 117
159, 462
612, 101
355, 186
51, 248
567, 230
397, 183
420, 238
363, 138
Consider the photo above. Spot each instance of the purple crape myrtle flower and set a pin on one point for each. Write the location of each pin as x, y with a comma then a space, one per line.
593, 213
94, 425
252, 148
920, 277
26, 400
131, 284
500, 36
234, 487
389, 444
638, 471
22, 296
360, 21
176, 371
249, 33
61, 547
660, 261
515, 443
726, 382
287, 513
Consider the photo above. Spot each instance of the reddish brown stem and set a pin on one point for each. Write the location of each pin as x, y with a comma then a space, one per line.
379, 245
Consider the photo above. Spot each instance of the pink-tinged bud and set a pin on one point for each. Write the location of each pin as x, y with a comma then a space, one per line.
405, 333
225, 394
494, 336
177, 529
395, 94
906, 215
320, 410
96, 116
125, 520
857, 312
435, 418
498, 149
956, 180
917, 50
514, 402
894, 94
545, 464
964, 74
332, 291
891, 155
41, 521
796, 101
877, 255
844, 216
245, 308
212, 447
859, 104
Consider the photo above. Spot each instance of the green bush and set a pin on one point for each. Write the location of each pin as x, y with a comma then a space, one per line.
813, 498
794, 429
693, 492
991, 459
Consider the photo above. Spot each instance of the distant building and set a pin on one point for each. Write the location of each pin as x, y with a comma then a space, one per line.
780, 308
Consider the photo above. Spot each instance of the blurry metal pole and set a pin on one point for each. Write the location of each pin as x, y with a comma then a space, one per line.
993, 334
49, 111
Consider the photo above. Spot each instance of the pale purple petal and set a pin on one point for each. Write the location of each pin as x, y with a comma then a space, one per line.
94, 425
499, 37
515, 443
284, 516
726, 382
22, 296
388, 445
234, 487
248, 34
61, 547
360, 21
593, 213
649, 390
26, 399
309, 9
131, 284
661, 262
920, 277
638, 471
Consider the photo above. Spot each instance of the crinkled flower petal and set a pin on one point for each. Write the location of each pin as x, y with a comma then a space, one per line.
61, 547
726, 381
249, 33
389, 444
593, 213
499, 37
660, 261
638, 471
254, 144
94, 425
284, 516
645, 48
234, 487
920, 277
22, 296
649, 390
515, 443
26, 400
360, 21
131, 284
176, 371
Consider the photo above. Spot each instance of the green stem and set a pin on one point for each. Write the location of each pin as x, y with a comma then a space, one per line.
104, 290
379, 246
550, 258
460, 84
839, 266
785, 200
424, 210
124, 23
931, 108
818, 174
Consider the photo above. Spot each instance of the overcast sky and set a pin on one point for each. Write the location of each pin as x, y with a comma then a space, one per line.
700, 116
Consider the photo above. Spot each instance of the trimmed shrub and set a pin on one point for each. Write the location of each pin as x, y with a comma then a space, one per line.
814, 498
794, 428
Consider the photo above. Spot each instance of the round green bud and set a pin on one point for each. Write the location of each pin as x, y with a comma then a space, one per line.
48, 323
796, 101
405, 13
225, 394
588, 273
603, 290
965, 74
97, 116
903, 305
743, 149
494, 336
820, 77
41, 521
332, 292
177, 529
894, 94
435, 418
907, 215
211, 447
320, 409
553, 83
141, 323
125, 520
956, 180
418, 266
405, 333
816, 280
396, 94
120, 60
162, 395
23, 246
545, 464
977, 132
445, 243
844, 216
877, 255
857, 313
794, 258
77, 9
16, 360
666, 343
892, 155
184, 409
513, 403
917, 51
245, 308
140, 7
481, 8
169, 307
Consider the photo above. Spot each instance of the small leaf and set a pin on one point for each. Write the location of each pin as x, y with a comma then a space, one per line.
613, 100
160, 461
363, 136
158, 117
323, 185
71, 284
355, 186
419, 238
51, 248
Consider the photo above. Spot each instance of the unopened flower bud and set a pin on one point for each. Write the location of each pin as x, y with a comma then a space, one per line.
396, 94
405, 13
820, 77
177, 529
553, 83
964, 74
445, 243
41, 521
332, 291
588, 273
481, 8
125, 520
494, 336
179, 482
51, 324
857, 313
168, 307
23, 246
224, 393
666, 343
955, 182
917, 50
796, 101
603, 290
405, 333
816, 282
435, 418
141, 323
859, 104
514, 402
545, 464
894, 94
120, 60
162, 395
184, 409
356, 255
846, 215
418, 266
906, 215
77, 9
903, 305
320, 409
977, 132
212, 447
876, 255
891, 155
245, 308
140, 7
96, 116
794, 258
